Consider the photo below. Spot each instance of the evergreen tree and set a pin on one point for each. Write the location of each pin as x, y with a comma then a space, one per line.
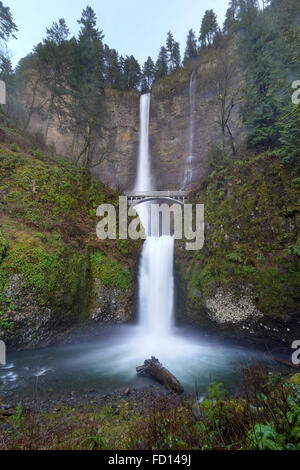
231, 17
148, 75
191, 50
131, 73
209, 28
161, 66
51, 56
113, 68
29, 77
59, 32
88, 22
266, 49
6, 69
122, 81
248, 11
173, 51
290, 136
7, 26
169, 43
176, 57
261, 109
289, 128
84, 106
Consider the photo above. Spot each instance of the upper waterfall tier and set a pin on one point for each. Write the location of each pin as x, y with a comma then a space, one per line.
143, 180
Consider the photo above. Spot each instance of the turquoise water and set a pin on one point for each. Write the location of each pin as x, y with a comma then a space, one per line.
109, 363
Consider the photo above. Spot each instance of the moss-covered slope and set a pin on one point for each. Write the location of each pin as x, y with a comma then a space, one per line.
247, 276
54, 272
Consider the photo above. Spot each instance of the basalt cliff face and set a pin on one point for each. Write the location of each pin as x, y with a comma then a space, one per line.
169, 129
57, 279
119, 143
245, 280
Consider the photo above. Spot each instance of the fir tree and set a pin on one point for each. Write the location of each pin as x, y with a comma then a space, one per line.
209, 28
85, 107
6, 69
191, 50
148, 75
176, 57
290, 136
131, 73
113, 68
7, 25
231, 17
173, 51
59, 32
161, 66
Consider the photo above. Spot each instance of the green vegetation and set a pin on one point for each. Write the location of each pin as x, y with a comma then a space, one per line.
268, 48
266, 416
110, 272
209, 28
251, 210
48, 242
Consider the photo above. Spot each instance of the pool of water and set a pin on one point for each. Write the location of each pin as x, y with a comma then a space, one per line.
110, 361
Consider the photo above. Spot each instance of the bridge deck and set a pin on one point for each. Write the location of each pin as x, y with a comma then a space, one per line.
158, 194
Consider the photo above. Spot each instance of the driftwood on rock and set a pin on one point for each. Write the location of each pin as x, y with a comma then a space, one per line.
154, 368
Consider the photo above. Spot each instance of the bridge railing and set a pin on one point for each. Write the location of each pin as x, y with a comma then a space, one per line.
158, 194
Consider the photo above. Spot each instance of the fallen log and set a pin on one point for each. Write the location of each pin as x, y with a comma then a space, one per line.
154, 368
285, 362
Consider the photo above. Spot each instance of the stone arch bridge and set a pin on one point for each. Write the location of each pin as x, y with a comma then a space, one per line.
139, 197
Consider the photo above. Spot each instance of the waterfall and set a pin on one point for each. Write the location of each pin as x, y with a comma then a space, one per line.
188, 174
156, 286
143, 180
156, 280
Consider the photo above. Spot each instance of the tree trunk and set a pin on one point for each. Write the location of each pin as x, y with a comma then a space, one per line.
74, 145
49, 117
224, 144
231, 140
86, 146
31, 106
154, 368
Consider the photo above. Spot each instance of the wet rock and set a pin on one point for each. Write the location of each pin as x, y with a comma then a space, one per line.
35, 325
224, 307
111, 304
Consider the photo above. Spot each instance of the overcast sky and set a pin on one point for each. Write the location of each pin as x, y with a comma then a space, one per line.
137, 27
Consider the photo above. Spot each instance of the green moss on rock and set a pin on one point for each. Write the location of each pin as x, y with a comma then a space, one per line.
49, 252
110, 272
251, 237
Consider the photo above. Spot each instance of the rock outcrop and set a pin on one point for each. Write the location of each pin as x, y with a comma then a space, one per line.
56, 276
245, 281
169, 128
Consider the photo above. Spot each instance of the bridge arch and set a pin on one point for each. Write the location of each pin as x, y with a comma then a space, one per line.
140, 197
134, 202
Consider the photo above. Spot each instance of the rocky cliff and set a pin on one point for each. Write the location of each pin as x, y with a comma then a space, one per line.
169, 127
119, 141
246, 280
55, 275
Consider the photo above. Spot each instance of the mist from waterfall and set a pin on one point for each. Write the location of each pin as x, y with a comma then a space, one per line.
188, 173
